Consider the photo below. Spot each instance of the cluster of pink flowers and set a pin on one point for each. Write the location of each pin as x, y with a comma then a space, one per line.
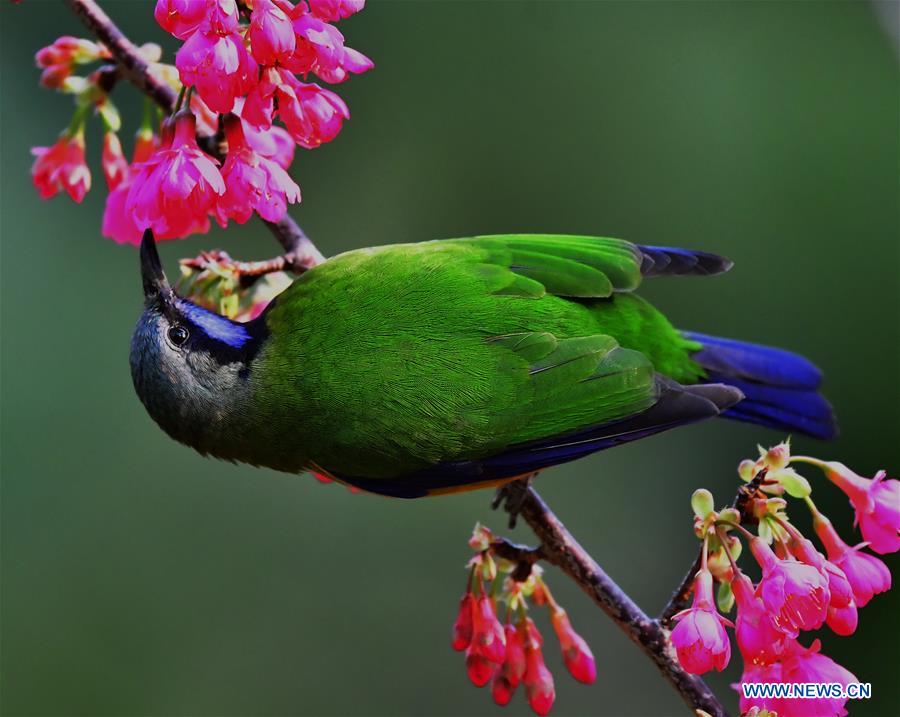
239, 65
510, 654
800, 589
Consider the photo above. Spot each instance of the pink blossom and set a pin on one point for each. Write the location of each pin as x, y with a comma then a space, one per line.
274, 143
180, 18
258, 107
840, 592
877, 505
222, 16
175, 189
334, 10
867, 575
252, 182
803, 665
271, 33
62, 167
115, 167
315, 115
576, 654
118, 223
700, 640
759, 672
312, 115
757, 637
796, 593
318, 44
352, 63
843, 620
320, 49
218, 65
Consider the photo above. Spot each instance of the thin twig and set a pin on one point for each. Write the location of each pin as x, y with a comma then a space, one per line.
560, 548
300, 253
523, 555
681, 597
124, 51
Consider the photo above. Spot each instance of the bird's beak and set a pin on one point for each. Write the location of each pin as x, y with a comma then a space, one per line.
156, 285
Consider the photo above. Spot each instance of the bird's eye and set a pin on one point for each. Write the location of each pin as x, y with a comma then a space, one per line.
178, 335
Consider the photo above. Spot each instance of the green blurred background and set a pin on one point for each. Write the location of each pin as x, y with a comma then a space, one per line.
142, 579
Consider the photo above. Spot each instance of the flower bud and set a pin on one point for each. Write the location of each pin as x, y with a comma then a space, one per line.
795, 593
479, 668
576, 654
866, 574
702, 502
699, 638
724, 597
746, 470
538, 681
778, 456
501, 689
514, 664
115, 167
731, 515
462, 627
488, 638
877, 505
481, 538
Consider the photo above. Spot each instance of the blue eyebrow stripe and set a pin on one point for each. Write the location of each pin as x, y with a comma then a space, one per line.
214, 326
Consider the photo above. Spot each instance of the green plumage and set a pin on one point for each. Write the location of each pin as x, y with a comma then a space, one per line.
417, 369
381, 362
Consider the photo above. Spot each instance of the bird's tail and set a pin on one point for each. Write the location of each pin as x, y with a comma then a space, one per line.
780, 387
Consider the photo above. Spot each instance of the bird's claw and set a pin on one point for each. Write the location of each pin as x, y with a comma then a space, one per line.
512, 497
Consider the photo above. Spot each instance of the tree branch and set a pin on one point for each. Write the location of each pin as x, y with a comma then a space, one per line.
300, 253
560, 548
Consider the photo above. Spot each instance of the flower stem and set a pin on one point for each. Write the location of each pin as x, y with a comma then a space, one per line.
740, 527
180, 101
813, 508
723, 538
810, 460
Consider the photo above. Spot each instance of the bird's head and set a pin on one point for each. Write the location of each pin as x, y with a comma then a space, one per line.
189, 365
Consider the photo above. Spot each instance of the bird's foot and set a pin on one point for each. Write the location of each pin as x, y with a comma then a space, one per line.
512, 497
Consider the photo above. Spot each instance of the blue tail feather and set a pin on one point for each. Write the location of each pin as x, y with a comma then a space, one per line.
780, 387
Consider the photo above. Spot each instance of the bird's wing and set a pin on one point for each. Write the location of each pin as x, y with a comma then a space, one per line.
588, 267
464, 351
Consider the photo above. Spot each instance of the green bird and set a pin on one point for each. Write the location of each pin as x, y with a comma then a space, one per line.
418, 369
